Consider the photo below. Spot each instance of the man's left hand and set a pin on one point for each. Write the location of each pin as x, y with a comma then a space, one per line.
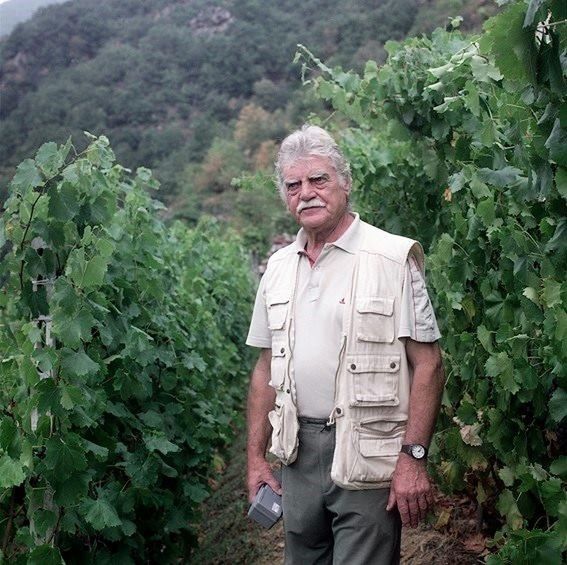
410, 490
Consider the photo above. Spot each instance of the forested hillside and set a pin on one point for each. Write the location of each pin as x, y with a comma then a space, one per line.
14, 12
169, 80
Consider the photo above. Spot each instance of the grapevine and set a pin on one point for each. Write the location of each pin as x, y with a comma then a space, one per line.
461, 142
122, 366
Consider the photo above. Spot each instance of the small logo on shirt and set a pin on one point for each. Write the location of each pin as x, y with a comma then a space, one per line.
342, 301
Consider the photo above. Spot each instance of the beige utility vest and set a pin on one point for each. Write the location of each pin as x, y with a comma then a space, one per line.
373, 379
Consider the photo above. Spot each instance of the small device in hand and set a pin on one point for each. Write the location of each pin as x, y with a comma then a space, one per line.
266, 508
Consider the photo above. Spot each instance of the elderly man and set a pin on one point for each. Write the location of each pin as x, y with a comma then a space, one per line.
349, 378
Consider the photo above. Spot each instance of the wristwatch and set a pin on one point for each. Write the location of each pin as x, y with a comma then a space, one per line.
415, 450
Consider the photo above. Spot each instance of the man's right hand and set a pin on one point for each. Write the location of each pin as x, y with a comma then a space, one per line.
260, 472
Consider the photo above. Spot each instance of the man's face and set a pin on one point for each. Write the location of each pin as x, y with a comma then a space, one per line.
314, 194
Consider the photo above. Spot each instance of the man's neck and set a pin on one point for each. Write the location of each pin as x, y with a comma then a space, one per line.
316, 239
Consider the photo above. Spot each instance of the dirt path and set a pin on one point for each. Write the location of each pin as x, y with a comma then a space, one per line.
226, 536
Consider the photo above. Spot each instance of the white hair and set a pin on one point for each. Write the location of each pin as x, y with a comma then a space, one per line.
307, 141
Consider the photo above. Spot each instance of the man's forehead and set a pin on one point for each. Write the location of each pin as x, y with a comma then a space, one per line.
309, 165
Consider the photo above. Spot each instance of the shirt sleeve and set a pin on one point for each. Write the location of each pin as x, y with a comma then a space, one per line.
259, 334
417, 319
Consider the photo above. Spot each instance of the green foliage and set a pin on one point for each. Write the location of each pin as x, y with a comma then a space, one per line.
123, 362
460, 142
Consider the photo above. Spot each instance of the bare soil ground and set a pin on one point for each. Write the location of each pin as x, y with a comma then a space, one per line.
227, 536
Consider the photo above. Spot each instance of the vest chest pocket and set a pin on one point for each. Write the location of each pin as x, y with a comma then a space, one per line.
277, 311
374, 379
375, 319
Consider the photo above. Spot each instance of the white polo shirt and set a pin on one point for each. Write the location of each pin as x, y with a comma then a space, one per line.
318, 317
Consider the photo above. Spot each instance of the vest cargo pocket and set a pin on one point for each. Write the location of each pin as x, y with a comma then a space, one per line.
376, 448
375, 319
278, 365
277, 311
284, 433
374, 379
275, 417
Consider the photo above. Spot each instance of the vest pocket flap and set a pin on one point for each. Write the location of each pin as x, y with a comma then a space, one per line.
375, 305
277, 310
373, 364
376, 447
275, 299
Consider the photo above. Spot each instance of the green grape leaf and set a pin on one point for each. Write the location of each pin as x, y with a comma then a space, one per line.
71, 395
196, 492
71, 488
561, 181
501, 365
50, 158
558, 405
86, 273
63, 455
557, 144
486, 211
44, 520
483, 70
78, 363
101, 514
27, 176
551, 293
558, 241
501, 177
508, 508
45, 555
2, 232
100, 452
12, 472
485, 338
157, 441
73, 329
531, 294
63, 204
552, 494
512, 45
559, 467
95, 271
28, 372
47, 396
8, 433
507, 475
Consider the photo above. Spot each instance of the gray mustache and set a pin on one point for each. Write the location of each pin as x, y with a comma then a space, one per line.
313, 203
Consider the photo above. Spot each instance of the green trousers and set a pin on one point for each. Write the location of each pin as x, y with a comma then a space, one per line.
325, 524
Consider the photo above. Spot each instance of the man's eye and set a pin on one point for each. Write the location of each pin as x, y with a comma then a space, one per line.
292, 186
319, 181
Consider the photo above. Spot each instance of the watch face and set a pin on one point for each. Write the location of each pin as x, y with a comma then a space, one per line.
418, 451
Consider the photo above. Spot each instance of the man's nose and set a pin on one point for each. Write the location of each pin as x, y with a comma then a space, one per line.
307, 192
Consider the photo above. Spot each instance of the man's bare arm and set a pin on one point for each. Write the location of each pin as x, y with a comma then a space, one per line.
261, 397
411, 488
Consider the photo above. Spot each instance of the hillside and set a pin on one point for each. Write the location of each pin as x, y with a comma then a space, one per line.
170, 82
16, 11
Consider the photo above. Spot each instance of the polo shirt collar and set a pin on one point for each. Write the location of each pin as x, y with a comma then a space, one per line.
347, 242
